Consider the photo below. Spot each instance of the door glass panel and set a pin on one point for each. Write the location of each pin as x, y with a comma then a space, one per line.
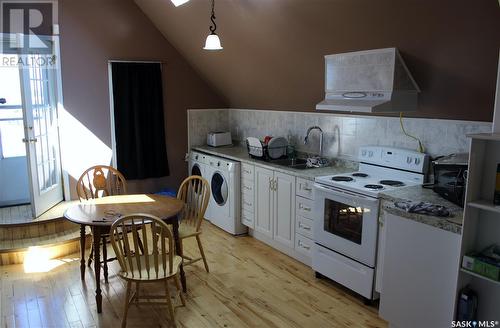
343, 220
219, 189
44, 125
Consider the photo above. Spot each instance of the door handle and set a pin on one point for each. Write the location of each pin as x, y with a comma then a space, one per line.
275, 184
305, 208
306, 188
301, 244
30, 140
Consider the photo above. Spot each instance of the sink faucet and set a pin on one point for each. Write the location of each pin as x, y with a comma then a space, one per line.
306, 139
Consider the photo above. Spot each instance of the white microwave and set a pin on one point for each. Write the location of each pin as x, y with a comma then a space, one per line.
217, 139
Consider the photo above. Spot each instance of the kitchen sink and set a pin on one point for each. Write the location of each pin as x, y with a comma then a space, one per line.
294, 163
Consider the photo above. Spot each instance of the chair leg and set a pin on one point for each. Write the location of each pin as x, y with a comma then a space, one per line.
179, 288
198, 240
91, 254
105, 258
169, 304
127, 303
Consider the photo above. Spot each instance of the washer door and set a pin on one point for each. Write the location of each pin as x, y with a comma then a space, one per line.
195, 170
219, 188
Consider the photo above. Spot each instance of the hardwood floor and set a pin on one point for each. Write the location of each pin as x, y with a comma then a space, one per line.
249, 285
15, 214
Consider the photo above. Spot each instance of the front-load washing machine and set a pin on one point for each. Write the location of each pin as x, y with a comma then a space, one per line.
224, 205
198, 166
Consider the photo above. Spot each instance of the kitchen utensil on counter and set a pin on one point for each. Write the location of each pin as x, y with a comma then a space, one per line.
255, 147
219, 138
276, 147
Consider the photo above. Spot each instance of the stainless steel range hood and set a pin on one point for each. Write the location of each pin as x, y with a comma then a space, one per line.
372, 81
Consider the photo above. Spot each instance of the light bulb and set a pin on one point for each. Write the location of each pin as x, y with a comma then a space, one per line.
177, 3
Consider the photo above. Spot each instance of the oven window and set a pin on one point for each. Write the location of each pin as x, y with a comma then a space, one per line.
343, 220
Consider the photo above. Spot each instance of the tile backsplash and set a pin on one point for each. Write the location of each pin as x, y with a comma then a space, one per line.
343, 133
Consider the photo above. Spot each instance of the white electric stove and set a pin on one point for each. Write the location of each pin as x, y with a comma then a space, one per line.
347, 207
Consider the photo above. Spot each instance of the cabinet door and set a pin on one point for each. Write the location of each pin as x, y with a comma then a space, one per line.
419, 275
263, 201
284, 209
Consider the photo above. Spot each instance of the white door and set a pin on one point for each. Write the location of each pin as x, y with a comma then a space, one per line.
263, 201
39, 92
284, 209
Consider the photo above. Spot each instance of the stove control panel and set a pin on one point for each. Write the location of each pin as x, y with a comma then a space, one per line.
399, 158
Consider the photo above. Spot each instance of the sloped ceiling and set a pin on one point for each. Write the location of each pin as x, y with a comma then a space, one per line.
273, 49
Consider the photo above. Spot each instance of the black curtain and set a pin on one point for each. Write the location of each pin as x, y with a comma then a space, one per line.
139, 125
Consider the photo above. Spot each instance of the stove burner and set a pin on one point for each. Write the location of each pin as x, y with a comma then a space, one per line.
393, 183
374, 186
360, 175
342, 178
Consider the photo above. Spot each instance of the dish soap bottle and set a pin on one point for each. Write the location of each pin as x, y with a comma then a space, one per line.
496, 198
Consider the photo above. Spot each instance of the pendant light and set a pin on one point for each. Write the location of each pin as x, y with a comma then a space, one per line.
213, 41
177, 3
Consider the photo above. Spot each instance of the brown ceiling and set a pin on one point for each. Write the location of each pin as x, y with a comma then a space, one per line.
273, 49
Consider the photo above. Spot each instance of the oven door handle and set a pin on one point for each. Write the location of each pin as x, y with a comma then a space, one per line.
338, 192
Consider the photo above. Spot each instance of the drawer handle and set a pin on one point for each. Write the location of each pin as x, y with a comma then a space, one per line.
305, 208
247, 172
301, 244
247, 187
307, 188
303, 226
247, 203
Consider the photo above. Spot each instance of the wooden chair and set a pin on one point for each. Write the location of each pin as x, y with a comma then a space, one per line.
195, 192
157, 263
100, 181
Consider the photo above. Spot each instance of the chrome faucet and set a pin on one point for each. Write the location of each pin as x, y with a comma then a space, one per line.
306, 139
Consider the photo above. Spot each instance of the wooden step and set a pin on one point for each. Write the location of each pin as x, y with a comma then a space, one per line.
56, 237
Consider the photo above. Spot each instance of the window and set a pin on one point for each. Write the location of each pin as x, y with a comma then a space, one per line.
11, 114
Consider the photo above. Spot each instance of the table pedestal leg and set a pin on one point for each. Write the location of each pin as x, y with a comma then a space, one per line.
82, 251
178, 250
97, 267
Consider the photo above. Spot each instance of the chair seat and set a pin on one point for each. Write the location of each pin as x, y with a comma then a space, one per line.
187, 231
143, 275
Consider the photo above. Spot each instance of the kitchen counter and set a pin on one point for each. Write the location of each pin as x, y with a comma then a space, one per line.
417, 193
240, 154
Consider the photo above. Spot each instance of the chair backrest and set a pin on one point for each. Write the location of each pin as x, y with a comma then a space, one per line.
99, 181
157, 243
195, 192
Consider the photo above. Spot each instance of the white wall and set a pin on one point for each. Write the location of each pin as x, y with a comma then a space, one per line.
14, 188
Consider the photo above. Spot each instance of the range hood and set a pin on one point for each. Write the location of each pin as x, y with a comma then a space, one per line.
372, 81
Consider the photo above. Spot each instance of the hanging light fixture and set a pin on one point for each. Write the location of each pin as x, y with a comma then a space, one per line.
177, 3
213, 41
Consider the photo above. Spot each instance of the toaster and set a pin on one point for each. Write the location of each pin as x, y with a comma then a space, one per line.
217, 139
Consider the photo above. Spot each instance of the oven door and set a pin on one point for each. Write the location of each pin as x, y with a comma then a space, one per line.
346, 223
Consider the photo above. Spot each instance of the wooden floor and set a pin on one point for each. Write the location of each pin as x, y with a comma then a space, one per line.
15, 214
250, 285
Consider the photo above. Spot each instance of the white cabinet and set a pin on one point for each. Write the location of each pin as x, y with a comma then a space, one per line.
263, 201
284, 208
247, 195
275, 206
419, 274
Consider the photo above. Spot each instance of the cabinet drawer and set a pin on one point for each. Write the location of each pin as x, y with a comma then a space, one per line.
247, 186
303, 245
247, 218
304, 207
247, 202
304, 226
247, 171
305, 188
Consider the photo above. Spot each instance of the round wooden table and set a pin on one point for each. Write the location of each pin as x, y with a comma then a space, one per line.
100, 213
